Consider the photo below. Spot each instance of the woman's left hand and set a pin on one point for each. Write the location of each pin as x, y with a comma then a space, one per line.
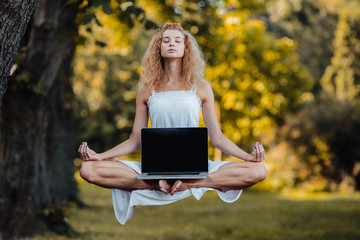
258, 153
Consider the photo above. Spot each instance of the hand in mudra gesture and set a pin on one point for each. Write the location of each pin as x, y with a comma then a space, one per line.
88, 154
258, 154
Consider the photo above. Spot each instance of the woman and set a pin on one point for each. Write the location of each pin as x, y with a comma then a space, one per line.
172, 84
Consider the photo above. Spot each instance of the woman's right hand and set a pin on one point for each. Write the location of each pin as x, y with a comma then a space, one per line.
88, 154
258, 153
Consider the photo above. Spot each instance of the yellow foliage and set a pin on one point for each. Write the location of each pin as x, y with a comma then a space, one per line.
98, 80
194, 29
306, 97
314, 184
271, 56
261, 125
78, 178
259, 86
295, 133
234, 3
243, 122
129, 95
338, 81
121, 122
256, 25
228, 99
232, 20
123, 75
323, 149
255, 112
287, 41
225, 84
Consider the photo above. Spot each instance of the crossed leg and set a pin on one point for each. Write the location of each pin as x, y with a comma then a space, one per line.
114, 174
231, 176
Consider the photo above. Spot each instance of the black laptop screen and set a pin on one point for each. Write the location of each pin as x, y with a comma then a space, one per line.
174, 149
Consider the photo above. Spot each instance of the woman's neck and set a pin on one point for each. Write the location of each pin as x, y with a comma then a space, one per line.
173, 70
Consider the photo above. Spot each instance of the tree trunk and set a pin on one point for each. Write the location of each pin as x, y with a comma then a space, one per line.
36, 131
14, 18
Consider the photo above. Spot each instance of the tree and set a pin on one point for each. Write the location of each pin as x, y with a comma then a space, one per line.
14, 18
259, 79
36, 122
341, 79
106, 74
310, 24
321, 135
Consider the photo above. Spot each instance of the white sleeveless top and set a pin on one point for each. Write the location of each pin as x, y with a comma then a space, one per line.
174, 109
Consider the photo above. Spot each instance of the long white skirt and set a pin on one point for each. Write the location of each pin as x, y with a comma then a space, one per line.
124, 201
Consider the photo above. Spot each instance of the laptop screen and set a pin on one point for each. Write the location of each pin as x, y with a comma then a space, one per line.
174, 149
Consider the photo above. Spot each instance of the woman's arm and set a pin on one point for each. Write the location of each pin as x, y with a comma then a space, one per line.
216, 136
133, 143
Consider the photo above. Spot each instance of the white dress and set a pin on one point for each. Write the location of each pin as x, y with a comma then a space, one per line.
167, 109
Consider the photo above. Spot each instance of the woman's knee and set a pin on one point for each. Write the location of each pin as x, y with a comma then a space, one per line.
259, 172
87, 171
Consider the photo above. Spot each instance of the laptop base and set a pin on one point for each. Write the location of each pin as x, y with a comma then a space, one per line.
152, 176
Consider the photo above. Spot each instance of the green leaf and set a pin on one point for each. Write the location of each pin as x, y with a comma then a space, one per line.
95, 3
106, 8
150, 25
87, 18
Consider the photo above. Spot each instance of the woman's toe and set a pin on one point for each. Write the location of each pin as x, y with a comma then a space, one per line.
164, 186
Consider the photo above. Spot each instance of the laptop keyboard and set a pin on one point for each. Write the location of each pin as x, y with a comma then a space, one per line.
175, 173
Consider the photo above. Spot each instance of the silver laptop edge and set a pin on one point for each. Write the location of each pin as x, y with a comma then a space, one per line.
146, 176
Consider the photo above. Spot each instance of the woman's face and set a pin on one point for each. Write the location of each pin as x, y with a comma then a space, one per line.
172, 44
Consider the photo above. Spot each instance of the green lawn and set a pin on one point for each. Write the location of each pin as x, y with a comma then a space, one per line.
253, 216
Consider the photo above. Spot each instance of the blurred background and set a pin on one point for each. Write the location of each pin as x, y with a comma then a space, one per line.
284, 72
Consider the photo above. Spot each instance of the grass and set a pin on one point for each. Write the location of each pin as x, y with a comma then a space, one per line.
254, 216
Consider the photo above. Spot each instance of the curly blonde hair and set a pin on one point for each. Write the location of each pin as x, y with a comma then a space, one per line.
193, 61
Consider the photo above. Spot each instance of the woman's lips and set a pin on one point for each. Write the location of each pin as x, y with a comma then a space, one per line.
171, 50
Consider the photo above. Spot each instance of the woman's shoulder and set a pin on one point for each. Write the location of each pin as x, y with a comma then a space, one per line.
143, 93
204, 85
204, 89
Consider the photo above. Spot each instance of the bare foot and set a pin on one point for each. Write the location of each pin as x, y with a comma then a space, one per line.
184, 185
164, 186
178, 186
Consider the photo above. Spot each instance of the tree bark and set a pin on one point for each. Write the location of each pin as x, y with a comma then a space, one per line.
14, 18
36, 126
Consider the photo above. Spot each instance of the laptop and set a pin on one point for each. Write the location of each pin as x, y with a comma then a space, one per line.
174, 153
